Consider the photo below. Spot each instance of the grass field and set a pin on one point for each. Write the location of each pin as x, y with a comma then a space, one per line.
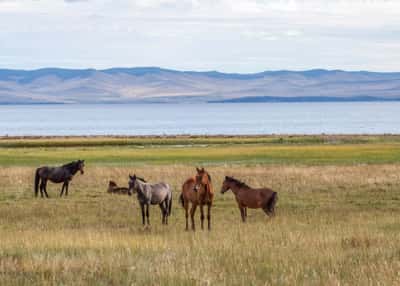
337, 217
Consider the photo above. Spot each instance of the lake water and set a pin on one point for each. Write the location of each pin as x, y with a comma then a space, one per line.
170, 119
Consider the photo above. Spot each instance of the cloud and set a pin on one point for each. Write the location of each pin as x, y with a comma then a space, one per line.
230, 35
75, 1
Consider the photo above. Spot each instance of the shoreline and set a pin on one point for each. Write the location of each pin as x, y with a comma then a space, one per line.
188, 136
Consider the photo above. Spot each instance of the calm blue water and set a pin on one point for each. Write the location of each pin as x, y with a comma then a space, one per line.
240, 118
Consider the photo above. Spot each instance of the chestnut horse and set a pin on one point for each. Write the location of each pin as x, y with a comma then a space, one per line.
247, 197
197, 190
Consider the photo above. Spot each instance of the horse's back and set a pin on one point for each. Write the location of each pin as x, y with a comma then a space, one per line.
266, 194
159, 192
265, 190
160, 186
45, 171
254, 198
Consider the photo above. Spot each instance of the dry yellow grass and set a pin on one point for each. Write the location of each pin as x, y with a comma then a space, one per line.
335, 225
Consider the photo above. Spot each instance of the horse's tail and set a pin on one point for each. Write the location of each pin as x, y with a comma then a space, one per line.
170, 205
181, 200
37, 179
271, 203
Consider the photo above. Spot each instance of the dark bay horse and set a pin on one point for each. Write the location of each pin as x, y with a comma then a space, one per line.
247, 197
197, 190
152, 194
61, 174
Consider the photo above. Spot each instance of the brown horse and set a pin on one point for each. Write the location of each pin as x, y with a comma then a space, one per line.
114, 189
247, 197
197, 190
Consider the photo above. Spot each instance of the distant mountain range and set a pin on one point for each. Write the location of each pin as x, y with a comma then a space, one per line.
157, 85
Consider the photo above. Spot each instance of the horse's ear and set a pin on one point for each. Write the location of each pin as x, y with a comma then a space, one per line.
202, 169
226, 177
198, 170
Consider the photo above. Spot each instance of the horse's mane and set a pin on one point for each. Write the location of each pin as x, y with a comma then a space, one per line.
71, 164
238, 183
141, 179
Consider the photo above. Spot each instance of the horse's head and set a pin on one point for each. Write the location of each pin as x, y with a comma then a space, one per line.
132, 184
111, 186
81, 165
225, 185
202, 179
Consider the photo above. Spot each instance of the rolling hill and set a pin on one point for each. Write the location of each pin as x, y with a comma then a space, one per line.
151, 84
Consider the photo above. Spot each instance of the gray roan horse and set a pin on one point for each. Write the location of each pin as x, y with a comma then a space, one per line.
61, 174
152, 194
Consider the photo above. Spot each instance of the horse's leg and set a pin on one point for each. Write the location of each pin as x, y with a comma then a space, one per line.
243, 213
268, 211
37, 186
142, 207
162, 207
209, 216
41, 188
147, 213
202, 216
186, 206
44, 188
66, 188
162, 212
62, 189
192, 211
166, 206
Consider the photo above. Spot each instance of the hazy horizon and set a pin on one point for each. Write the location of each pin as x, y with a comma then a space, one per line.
193, 70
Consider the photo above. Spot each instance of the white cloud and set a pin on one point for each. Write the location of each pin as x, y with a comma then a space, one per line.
201, 34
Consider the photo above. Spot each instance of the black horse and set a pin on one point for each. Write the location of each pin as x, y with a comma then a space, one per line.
61, 174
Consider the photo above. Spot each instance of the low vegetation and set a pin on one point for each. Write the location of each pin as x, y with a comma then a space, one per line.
336, 224
305, 150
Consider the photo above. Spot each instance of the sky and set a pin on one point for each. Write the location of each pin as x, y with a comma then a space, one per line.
242, 36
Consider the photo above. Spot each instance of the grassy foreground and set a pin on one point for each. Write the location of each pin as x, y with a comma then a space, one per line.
337, 220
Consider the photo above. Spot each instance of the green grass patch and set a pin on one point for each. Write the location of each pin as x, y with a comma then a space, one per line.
248, 154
